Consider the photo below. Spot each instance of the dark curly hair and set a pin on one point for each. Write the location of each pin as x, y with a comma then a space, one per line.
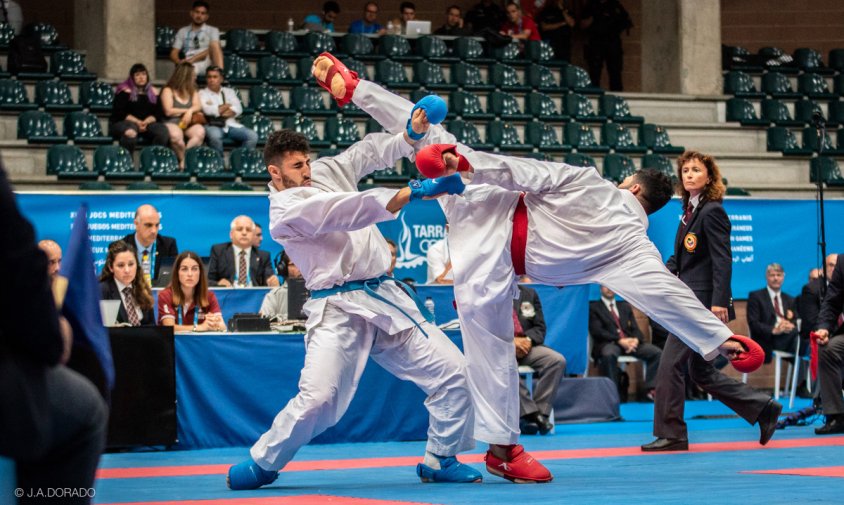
284, 141
657, 189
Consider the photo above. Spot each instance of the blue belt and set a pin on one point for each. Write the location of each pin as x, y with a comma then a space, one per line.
369, 286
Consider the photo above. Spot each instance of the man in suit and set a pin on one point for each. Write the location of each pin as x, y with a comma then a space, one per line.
548, 364
152, 247
771, 314
238, 263
830, 332
810, 299
615, 332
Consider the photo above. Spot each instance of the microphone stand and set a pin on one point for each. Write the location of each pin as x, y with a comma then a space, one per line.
820, 127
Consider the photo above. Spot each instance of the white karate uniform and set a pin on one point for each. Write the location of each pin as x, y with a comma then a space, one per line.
437, 258
581, 230
329, 231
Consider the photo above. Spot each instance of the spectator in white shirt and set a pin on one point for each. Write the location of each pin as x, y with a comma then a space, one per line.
200, 42
221, 107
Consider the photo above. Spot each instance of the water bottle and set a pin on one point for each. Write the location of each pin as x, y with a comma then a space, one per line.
429, 304
290, 24
390, 27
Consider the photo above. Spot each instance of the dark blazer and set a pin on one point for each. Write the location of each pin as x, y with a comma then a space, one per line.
761, 317
602, 326
109, 291
833, 302
809, 307
222, 265
164, 247
534, 327
702, 257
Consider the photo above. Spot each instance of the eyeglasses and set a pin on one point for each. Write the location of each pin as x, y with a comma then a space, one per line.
371, 12
196, 41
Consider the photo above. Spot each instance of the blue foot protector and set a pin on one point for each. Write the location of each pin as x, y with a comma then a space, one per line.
436, 110
248, 475
450, 470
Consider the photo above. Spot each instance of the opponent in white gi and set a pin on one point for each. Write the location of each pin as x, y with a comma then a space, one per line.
328, 229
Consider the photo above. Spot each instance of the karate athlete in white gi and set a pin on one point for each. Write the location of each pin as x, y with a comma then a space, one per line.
328, 229
580, 229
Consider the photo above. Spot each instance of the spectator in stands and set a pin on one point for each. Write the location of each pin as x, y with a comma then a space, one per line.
407, 12
187, 303
325, 22
53, 421
548, 364
151, 246
809, 306
439, 262
183, 111
258, 236
486, 15
519, 26
454, 24
604, 21
616, 333
237, 263
221, 108
830, 332
199, 41
54, 257
369, 23
394, 254
772, 314
11, 14
134, 111
556, 24
121, 279
275, 302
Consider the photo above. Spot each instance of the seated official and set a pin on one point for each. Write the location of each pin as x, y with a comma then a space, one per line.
772, 314
121, 279
275, 302
238, 263
152, 247
187, 303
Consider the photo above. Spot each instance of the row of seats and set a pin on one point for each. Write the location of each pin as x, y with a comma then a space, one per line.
65, 64
778, 85
773, 58
97, 96
776, 112
781, 139
49, 36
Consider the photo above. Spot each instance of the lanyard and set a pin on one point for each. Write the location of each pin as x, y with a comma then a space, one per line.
196, 310
151, 258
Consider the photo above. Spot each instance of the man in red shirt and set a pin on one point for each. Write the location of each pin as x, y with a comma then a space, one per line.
518, 25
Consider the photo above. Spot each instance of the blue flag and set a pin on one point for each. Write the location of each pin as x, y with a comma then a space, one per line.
82, 300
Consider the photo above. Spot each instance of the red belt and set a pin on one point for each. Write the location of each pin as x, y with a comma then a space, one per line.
519, 240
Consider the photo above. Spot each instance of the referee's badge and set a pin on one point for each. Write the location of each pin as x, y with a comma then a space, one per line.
690, 242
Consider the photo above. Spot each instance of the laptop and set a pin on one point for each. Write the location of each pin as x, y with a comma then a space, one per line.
297, 295
165, 272
417, 28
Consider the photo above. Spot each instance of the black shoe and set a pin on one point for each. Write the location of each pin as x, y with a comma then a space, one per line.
768, 420
527, 426
666, 444
803, 391
834, 425
545, 425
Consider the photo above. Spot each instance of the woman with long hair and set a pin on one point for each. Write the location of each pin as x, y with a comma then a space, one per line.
134, 112
187, 303
180, 103
121, 279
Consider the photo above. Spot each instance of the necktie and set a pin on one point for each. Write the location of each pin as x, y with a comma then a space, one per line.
242, 274
777, 306
617, 320
519, 331
131, 310
687, 215
145, 265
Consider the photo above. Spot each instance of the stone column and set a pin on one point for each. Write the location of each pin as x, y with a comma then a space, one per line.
681, 47
115, 34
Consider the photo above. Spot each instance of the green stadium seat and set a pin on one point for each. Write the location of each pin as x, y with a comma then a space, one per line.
84, 128
656, 138
580, 108
360, 47
618, 137
540, 51
739, 58
577, 80
579, 160
391, 74
783, 140
430, 75
142, 186
55, 96
237, 70
777, 85
306, 127
303, 71
467, 133
68, 162
342, 132
70, 65
207, 164
615, 108
736, 191
544, 137
740, 84
419, 94
262, 125
357, 66
540, 77
467, 105
115, 162
350, 109
434, 49
776, 112
38, 127
49, 36
618, 167
164, 38
396, 48
838, 84
812, 142
829, 170
190, 186
661, 163
275, 71
409, 169
810, 61
505, 106
243, 42
283, 44
510, 53
471, 50
236, 186
309, 101
161, 164
503, 135
469, 77
373, 126
580, 137
505, 77
267, 100
94, 186
805, 109
318, 42
96, 96
814, 86
249, 164
389, 176
836, 59
13, 96
774, 58
542, 107
836, 115
741, 110
7, 33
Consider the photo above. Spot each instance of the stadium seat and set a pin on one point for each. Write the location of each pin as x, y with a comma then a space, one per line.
505, 77
248, 164
540, 51
236, 186
84, 128
510, 53
505, 106
580, 108
115, 162
618, 167
777, 85
303, 70
237, 70
656, 138
396, 48
469, 77
544, 137
161, 164
391, 74
542, 106
390, 176
430, 75
469, 49
55, 96
739, 58
810, 61
357, 66
372, 126
540, 77
434, 49
7, 33
96, 96
776, 112
318, 42
262, 125
306, 127
579, 160
836, 115
350, 109
830, 172
838, 84
419, 94
661, 163
283, 44
813, 86
577, 79
467, 133
580, 137
164, 38
70, 65
359, 46
812, 142
70, 161
49, 36
190, 186
342, 132
783, 140
93, 185
618, 137
38, 127
243, 42
805, 109
741, 110
13, 96
142, 186
615, 107
503, 135
774, 58
836, 59
275, 71
267, 100
740, 84
207, 164
309, 101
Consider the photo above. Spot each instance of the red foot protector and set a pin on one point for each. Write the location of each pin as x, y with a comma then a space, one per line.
521, 467
751, 359
429, 160
350, 79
